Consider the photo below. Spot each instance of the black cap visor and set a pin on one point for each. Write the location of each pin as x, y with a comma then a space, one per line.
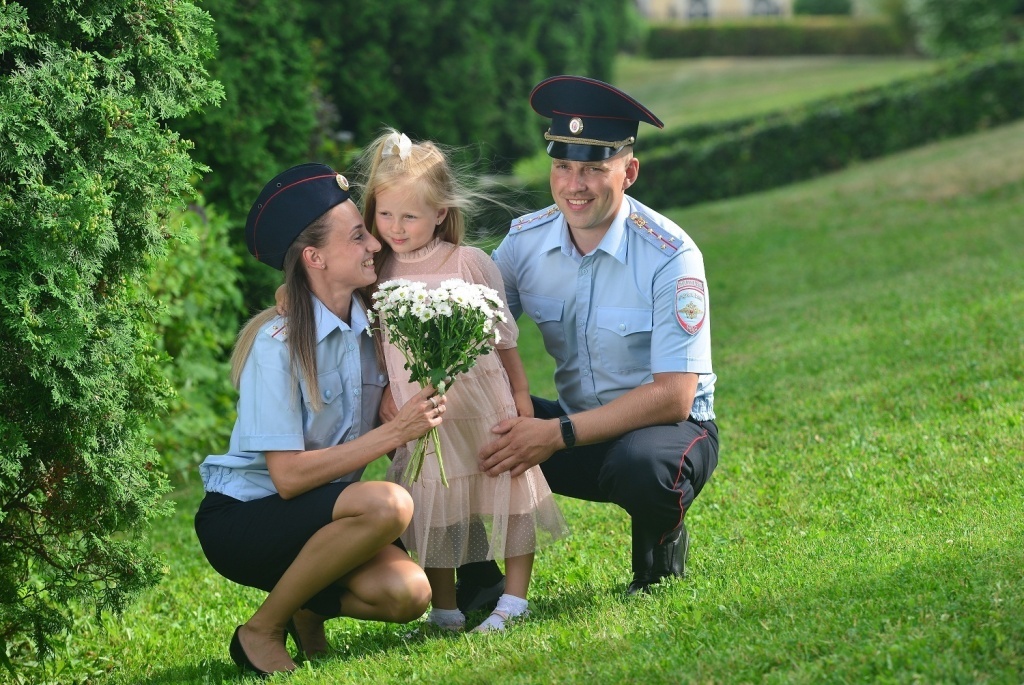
581, 153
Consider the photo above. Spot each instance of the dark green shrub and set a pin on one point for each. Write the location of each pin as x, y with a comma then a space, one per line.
897, 14
197, 287
267, 122
823, 7
89, 174
948, 27
459, 71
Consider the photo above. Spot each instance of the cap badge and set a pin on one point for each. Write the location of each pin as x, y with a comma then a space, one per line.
575, 126
342, 182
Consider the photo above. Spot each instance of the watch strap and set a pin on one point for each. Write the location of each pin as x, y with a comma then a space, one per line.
568, 431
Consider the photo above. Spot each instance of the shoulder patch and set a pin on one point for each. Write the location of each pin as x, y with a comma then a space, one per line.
653, 233
538, 218
277, 331
691, 304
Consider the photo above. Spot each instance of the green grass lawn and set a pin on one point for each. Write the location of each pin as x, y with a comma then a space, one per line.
866, 523
683, 92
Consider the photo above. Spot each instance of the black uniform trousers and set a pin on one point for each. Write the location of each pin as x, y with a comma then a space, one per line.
654, 473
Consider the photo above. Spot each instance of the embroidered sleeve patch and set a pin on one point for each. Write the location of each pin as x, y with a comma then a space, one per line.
691, 304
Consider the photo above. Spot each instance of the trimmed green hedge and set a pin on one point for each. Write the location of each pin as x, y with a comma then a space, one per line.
767, 37
823, 7
758, 153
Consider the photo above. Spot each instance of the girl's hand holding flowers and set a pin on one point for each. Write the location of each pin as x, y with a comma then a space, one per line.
440, 332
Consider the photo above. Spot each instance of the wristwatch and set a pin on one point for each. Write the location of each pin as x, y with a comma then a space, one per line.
568, 431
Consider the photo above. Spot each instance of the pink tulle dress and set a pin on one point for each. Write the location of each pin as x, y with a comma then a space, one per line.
477, 517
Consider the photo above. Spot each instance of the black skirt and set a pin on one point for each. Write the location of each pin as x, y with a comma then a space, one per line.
253, 543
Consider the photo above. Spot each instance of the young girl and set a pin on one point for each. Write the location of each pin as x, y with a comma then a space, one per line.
415, 206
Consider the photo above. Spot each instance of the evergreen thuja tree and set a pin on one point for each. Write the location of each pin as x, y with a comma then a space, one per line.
89, 174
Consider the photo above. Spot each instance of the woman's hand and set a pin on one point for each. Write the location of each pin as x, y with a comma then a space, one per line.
421, 413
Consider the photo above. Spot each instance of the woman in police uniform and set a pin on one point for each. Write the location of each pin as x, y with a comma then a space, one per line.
284, 510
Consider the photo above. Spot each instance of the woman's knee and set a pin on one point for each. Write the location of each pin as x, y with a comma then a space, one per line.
403, 596
385, 505
412, 599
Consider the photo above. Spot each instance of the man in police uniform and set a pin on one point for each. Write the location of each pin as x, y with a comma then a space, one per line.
620, 296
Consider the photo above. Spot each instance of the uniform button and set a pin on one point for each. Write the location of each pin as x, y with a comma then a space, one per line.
351, 347
356, 393
586, 372
584, 272
380, 378
327, 394
537, 313
622, 326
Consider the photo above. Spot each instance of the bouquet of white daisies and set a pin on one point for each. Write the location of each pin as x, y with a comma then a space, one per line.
440, 332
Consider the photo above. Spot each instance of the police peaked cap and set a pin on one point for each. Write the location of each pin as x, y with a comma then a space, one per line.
289, 203
590, 119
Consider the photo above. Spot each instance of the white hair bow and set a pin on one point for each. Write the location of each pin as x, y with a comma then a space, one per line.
397, 144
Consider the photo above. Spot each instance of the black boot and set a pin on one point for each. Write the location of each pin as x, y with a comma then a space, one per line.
479, 586
665, 559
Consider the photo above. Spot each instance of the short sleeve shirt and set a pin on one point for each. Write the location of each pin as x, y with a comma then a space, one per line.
274, 407
636, 306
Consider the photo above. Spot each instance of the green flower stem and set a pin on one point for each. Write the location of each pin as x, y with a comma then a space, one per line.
415, 466
437, 450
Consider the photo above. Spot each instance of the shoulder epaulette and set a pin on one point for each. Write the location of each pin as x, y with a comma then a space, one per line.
653, 232
538, 218
277, 331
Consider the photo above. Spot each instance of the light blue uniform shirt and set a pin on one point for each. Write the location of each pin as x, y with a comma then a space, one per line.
273, 404
635, 306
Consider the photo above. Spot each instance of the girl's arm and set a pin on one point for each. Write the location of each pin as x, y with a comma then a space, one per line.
296, 472
513, 364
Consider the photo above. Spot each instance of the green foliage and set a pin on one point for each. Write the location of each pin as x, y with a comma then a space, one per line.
766, 37
269, 119
898, 15
713, 161
823, 7
88, 173
952, 27
458, 71
197, 286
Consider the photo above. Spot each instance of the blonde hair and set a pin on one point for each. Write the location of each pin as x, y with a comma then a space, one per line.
301, 318
428, 168
245, 340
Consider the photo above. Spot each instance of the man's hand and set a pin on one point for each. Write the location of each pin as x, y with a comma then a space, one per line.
521, 444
